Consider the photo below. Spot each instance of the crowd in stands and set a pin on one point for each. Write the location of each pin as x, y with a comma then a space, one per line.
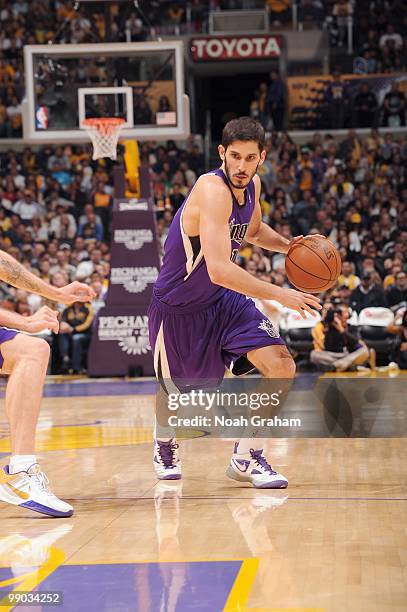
378, 36
341, 104
55, 208
354, 192
54, 218
55, 202
378, 40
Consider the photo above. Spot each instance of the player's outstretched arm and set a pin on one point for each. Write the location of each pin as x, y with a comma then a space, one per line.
13, 273
215, 209
44, 318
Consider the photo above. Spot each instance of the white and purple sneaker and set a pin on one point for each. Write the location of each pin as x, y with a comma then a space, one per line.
253, 467
167, 463
31, 490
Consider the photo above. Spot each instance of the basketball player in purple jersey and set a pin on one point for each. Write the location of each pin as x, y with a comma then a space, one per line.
200, 320
25, 359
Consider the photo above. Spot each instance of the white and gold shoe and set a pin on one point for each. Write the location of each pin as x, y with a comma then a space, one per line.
31, 490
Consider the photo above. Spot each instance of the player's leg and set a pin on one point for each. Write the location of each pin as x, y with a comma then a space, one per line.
21, 482
273, 361
25, 360
248, 463
166, 461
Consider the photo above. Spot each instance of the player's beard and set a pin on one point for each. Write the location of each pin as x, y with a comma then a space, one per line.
229, 177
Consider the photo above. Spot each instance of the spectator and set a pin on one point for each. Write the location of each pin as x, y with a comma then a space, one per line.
176, 197
276, 100
367, 294
396, 295
348, 277
394, 107
261, 98
102, 202
334, 347
336, 98
62, 264
143, 114
14, 115
74, 336
279, 10
27, 208
401, 350
364, 107
392, 36
342, 11
39, 230
91, 228
99, 300
164, 105
63, 225
59, 158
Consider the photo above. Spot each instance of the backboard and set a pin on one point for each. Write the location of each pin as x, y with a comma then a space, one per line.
143, 83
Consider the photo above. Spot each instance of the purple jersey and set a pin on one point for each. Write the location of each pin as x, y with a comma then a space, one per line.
184, 278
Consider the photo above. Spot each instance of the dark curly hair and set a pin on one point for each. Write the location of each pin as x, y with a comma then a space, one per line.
245, 129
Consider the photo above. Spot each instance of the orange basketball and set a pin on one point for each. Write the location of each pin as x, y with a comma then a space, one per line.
313, 264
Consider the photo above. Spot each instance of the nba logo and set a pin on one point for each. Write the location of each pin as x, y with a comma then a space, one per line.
41, 118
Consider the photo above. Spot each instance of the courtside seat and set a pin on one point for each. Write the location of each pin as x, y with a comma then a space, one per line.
297, 331
373, 323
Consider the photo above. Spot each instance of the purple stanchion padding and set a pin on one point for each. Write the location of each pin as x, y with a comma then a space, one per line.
120, 343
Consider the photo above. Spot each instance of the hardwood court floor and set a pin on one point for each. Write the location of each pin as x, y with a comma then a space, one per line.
335, 540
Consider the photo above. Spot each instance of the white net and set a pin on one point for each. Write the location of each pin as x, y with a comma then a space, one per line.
104, 134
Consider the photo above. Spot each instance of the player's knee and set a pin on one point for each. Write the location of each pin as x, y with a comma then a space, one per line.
41, 349
281, 368
288, 367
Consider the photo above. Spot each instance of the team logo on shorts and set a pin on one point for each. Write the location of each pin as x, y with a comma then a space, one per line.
269, 328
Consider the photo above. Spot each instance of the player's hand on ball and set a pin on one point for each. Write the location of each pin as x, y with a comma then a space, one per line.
296, 239
76, 292
296, 300
44, 318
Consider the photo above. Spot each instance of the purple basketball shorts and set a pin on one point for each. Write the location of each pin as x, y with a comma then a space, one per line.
5, 334
199, 345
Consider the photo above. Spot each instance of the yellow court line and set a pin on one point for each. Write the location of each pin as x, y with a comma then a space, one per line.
285, 610
138, 561
242, 586
30, 581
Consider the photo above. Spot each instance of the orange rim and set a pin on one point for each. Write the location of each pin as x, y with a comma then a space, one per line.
103, 122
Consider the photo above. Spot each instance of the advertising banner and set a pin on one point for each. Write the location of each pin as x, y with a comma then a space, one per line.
134, 256
227, 48
120, 343
308, 108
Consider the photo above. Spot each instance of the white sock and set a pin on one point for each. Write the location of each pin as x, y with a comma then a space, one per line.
245, 444
21, 463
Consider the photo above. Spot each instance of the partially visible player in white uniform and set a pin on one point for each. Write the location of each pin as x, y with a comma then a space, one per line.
25, 359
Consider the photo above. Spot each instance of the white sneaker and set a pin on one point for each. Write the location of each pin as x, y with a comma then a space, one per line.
167, 463
30, 490
253, 467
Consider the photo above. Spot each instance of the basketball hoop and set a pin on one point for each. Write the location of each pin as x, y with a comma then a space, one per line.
104, 133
